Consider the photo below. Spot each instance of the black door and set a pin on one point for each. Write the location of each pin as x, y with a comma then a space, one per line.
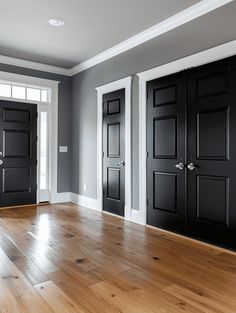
212, 153
18, 154
114, 152
166, 99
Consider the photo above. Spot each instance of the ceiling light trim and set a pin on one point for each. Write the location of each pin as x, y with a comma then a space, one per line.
34, 65
56, 22
181, 18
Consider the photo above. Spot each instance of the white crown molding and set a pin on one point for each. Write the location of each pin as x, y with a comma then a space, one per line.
185, 16
181, 18
34, 65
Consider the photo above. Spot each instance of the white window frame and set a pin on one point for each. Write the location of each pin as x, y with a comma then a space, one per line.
43, 194
26, 86
52, 87
198, 59
113, 86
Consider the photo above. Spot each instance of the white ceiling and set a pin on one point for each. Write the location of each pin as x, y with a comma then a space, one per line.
92, 26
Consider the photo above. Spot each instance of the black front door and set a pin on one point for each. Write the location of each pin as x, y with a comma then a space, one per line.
166, 152
18, 153
212, 153
114, 152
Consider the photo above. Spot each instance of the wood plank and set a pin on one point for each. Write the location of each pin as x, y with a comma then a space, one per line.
62, 258
56, 299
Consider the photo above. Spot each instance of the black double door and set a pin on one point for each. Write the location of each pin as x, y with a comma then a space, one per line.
191, 144
18, 153
114, 152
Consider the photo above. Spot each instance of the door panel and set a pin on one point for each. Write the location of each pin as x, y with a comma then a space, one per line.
114, 152
166, 148
18, 144
211, 147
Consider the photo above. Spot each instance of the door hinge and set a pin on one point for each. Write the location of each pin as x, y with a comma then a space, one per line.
103, 154
37, 138
37, 162
147, 155
147, 92
103, 106
37, 115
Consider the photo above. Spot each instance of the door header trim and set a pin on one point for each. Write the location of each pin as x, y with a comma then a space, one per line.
204, 57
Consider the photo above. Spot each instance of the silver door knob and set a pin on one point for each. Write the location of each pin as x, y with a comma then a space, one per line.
1, 162
191, 166
180, 166
121, 163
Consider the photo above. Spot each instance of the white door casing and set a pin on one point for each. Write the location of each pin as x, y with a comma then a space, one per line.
52, 109
198, 59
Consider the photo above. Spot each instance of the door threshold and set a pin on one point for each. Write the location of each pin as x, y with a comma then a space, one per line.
193, 240
18, 206
112, 214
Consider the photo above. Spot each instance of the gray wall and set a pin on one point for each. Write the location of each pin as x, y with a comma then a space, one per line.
199, 35
64, 120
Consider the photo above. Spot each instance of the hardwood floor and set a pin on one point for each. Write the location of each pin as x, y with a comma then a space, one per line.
61, 258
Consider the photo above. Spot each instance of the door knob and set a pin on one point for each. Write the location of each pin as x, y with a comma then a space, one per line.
121, 163
1, 162
191, 166
180, 166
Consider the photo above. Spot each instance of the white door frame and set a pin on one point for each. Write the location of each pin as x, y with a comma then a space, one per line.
101, 90
204, 57
52, 86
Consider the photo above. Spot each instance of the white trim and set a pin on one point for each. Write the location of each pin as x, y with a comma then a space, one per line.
61, 197
116, 85
34, 65
28, 80
43, 195
84, 201
181, 18
204, 57
138, 217
53, 145
53, 123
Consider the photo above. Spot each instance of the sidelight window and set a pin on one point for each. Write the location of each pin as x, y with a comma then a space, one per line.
43, 151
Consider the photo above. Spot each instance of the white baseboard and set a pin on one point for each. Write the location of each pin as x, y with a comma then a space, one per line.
86, 202
60, 197
136, 216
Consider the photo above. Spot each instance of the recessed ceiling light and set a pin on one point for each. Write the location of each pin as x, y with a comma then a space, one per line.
57, 22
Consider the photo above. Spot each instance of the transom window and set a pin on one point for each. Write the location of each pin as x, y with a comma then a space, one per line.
24, 92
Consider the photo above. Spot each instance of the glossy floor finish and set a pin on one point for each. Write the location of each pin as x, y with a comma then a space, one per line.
61, 258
